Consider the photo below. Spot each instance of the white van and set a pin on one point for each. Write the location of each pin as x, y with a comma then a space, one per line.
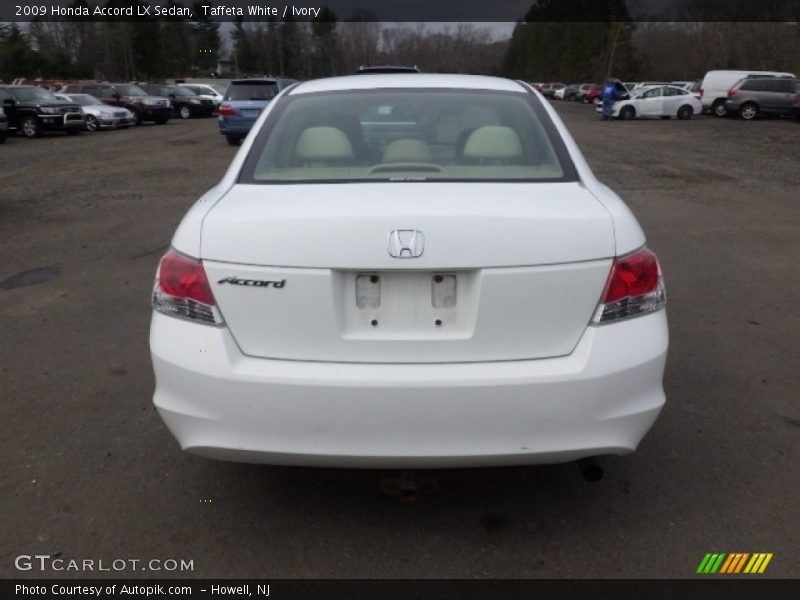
715, 85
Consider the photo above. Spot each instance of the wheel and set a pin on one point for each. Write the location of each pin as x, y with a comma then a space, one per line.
718, 108
161, 120
30, 127
685, 112
91, 123
748, 111
184, 112
627, 113
233, 140
138, 116
73, 131
585, 100
597, 101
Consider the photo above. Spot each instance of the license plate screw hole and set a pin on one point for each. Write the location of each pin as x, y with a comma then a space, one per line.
438, 322
438, 278
374, 279
374, 322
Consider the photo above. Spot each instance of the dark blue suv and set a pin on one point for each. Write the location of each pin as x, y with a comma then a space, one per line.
244, 100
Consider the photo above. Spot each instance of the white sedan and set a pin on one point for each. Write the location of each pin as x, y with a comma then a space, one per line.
663, 101
407, 271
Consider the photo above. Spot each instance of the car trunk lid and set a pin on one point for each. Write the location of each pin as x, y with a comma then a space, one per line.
506, 271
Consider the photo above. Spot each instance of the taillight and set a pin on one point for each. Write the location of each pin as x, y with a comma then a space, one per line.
182, 290
226, 110
732, 92
634, 287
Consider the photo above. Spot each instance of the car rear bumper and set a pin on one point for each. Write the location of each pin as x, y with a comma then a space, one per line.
240, 127
218, 403
732, 105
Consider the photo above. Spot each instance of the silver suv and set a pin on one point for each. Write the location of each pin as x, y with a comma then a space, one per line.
752, 96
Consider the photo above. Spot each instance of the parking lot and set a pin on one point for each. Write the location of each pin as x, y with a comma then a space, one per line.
90, 471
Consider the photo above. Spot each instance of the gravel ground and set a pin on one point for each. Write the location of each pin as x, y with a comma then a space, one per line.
89, 470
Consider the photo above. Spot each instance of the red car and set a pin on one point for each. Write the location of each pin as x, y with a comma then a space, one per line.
594, 94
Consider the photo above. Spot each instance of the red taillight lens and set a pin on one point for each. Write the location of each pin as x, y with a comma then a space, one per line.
634, 287
226, 111
632, 275
182, 290
732, 92
182, 277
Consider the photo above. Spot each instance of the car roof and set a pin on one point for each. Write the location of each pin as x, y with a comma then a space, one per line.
258, 80
408, 80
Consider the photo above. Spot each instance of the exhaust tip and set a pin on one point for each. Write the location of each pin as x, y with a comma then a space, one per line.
590, 469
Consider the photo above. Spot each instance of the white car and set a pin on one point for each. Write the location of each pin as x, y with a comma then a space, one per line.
205, 90
663, 101
99, 115
406, 271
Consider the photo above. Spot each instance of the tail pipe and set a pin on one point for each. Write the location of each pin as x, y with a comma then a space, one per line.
590, 469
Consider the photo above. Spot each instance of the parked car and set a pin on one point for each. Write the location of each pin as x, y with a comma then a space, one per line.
663, 101
127, 95
185, 103
99, 115
593, 94
243, 103
473, 300
571, 92
205, 90
31, 110
3, 125
552, 88
582, 90
755, 96
715, 85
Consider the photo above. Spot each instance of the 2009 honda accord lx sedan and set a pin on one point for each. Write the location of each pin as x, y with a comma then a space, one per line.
409, 271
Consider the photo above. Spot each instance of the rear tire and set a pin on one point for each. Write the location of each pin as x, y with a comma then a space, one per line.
138, 117
233, 140
748, 111
718, 108
685, 112
627, 113
91, 123
184, 112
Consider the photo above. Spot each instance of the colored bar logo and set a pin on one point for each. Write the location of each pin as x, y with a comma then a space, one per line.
734, 563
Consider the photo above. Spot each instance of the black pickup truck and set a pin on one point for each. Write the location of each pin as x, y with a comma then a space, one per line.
31, 110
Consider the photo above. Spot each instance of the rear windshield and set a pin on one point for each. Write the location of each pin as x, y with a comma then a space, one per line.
265, 90
408, 135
